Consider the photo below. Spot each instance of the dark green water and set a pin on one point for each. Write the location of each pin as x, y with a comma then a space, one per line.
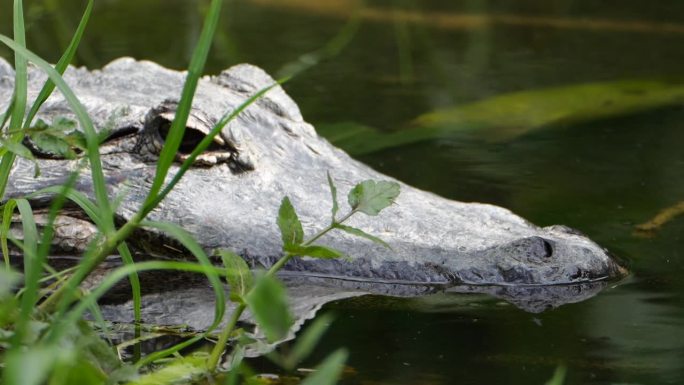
601, 177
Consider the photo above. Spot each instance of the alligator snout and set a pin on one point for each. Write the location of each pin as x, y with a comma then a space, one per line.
540, 260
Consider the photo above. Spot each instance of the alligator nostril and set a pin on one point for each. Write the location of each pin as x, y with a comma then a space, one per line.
538, 248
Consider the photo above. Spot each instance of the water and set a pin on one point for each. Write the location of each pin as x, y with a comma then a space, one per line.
601, 177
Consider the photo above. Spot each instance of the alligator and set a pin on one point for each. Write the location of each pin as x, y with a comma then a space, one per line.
231, 195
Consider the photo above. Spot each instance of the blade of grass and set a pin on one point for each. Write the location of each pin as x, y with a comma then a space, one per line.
7, 113
86, 123
331, 49
175, 136
32, 270
20, 69
61, 65
137, 296
4, 230
35, 256
75, 196
19, 95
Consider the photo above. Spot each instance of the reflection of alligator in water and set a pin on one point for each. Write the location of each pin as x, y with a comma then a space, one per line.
229, 200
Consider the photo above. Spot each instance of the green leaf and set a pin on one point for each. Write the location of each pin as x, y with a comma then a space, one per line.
371, 197
268, 303
29, 366
18, 149
333, 192
315, 251
329, 371
361, 233
8, 280
63, 124
289, 224
238, 275
182, 370
52, 144
307, 341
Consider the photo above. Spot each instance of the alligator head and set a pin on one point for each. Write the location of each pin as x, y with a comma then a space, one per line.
230, 198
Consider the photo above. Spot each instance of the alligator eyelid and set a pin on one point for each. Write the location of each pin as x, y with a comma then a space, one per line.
121, 132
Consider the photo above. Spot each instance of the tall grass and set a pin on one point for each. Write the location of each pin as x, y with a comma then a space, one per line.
46, 328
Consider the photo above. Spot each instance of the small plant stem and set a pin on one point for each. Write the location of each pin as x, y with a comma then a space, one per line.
220, 345
286, 258
223, 338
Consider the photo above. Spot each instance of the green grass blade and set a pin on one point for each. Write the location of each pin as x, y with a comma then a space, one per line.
82, 200
5, 168
331, 49
35, 256
127, 258
92, 138
175, 136
30, 233
61, 65
4, 230
20, 68
8, 112
189, 243
32, 270
19, 96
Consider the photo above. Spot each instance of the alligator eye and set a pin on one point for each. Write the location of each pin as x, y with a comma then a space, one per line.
158, 125
191, 138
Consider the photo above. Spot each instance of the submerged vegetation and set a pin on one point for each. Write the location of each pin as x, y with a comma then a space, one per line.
509, 116
43, 335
